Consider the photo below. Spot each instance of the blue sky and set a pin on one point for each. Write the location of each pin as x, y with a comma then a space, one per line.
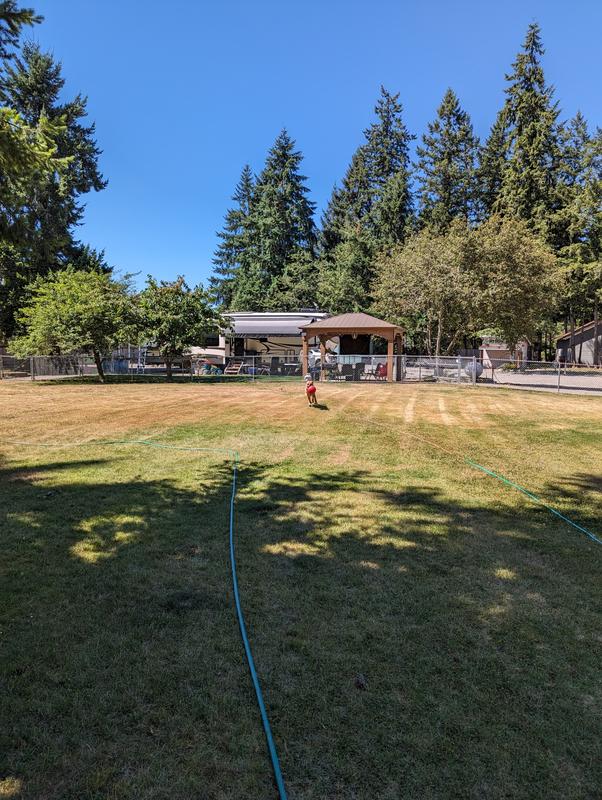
184, 93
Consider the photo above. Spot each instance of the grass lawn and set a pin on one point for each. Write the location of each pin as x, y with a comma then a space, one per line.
472, 614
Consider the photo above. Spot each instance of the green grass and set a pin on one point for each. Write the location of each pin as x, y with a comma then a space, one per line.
473, 615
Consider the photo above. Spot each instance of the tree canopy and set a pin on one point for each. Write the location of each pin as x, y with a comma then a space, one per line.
174, 317
75, 312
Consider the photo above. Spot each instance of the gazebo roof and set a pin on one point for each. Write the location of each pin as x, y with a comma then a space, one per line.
357, 322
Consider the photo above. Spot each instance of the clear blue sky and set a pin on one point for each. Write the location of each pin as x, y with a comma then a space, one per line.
184, 93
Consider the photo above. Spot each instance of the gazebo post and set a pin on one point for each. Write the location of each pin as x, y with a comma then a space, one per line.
390, 342
322, 356
304, 356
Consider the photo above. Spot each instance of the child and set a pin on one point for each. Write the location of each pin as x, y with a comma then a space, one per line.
310, 391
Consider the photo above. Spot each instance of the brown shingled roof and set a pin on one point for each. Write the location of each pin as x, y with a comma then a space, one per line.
357, 322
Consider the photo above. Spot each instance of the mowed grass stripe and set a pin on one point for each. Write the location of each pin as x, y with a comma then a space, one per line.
471, 614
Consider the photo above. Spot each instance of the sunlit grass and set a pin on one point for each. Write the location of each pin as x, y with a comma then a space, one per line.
471, 614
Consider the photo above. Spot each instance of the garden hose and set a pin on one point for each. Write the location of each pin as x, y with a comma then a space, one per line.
501, 478
234, 457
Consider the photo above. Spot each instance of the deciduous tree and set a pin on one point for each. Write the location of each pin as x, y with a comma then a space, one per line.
173, 317
74, 312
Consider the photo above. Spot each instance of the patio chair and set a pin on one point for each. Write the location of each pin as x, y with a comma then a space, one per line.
381, 372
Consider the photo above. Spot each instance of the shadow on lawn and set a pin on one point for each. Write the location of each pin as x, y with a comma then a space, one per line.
124, 669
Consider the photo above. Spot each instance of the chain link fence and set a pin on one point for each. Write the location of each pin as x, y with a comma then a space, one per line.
458, 370
543, 375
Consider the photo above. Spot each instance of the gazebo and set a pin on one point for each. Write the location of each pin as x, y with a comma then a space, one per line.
355, 324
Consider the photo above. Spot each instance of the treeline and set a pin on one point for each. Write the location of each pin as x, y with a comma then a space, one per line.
57, 295
48, 162
501, 237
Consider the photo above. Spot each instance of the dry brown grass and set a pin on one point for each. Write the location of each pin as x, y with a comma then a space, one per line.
366, 545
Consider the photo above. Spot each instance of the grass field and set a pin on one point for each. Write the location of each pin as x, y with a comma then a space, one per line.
472, 614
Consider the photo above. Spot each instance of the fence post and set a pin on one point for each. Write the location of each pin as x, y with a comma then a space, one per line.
31, 368
459, 370
419, 371
474, 370
558, 382
1, 368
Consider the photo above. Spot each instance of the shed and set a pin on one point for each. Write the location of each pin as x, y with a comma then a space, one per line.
583, 345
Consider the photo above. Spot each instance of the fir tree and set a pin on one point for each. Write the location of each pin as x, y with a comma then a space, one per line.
388, 162
528, 189
447, 163
231, 251
280, 226
12, 20
372, 209
350, 205
296, 287
32, 87
375, 192
344, 275
492, 164
577, 225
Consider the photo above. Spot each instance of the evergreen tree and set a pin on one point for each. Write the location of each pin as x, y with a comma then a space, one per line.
280, 226
296, 287
12, 20
577, 225
372, 209
32, 87
388, 166
345, 274
375, 192
231, 251
528, 189
578, 222
447, 165
492, 164
350, 205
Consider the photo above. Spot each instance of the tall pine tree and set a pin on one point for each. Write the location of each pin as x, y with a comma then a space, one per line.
447, 167
370, 211
375, 192
492, 163
32, 87
529, 183
232, 249
280, 228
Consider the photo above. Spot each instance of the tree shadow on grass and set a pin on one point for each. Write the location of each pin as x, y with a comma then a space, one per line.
474, 627
124, 673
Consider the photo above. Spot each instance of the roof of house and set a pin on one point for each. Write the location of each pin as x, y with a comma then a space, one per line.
581, 329
259, 323
356, 322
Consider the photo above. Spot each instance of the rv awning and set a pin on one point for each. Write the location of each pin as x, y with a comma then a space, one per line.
262, 328
265, 324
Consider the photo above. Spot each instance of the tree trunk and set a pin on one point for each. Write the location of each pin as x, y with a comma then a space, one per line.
596, 339
168, 366
439, 333
98, 362
452, 343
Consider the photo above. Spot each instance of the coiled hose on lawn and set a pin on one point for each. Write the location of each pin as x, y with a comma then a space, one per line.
234, 457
